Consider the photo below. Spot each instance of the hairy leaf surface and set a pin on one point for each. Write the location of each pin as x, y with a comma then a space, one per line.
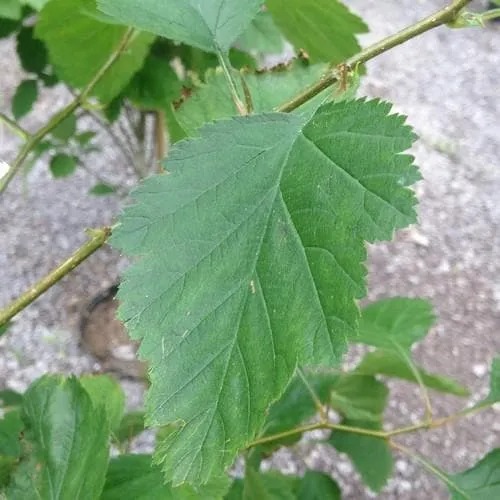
325, 29
79, 53
391, 364
251, 251
209, 24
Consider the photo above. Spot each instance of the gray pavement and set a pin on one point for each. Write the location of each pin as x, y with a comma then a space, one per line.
448, 83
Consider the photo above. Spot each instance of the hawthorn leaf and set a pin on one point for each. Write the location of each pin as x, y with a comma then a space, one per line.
371, 455
211, 100
211, 25
24, 98
481, 482
80, 52
66, 442
135, 477
325, 29
262, 36
395, 323
253, 207
390, 364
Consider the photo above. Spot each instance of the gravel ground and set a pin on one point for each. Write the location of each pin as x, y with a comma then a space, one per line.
447, 82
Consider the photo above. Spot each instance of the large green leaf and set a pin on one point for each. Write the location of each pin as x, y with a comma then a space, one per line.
371, 456
211, 100
66, 442
209, 25
155, 86
395, 323
133, 477
106, 392
391, 364
481, 482
79, 45
326, 29
252, 247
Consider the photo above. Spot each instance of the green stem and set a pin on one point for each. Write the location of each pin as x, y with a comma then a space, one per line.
433, 424
226, 69
314, 396
489, 15
64, 113
14, 127
97, 238
445, 15
429, 466
416, 373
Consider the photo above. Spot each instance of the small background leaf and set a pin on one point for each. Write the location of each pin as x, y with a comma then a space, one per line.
317, 486
32, 52
106, 392
391, 365
102, 190
10, 9
78, 53
65, 129
262, 36
24, 98
269, 89
134, 477
62, 165
371, 456
393, 321
325, 29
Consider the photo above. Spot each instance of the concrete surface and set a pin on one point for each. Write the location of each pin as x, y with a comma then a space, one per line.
448, 83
